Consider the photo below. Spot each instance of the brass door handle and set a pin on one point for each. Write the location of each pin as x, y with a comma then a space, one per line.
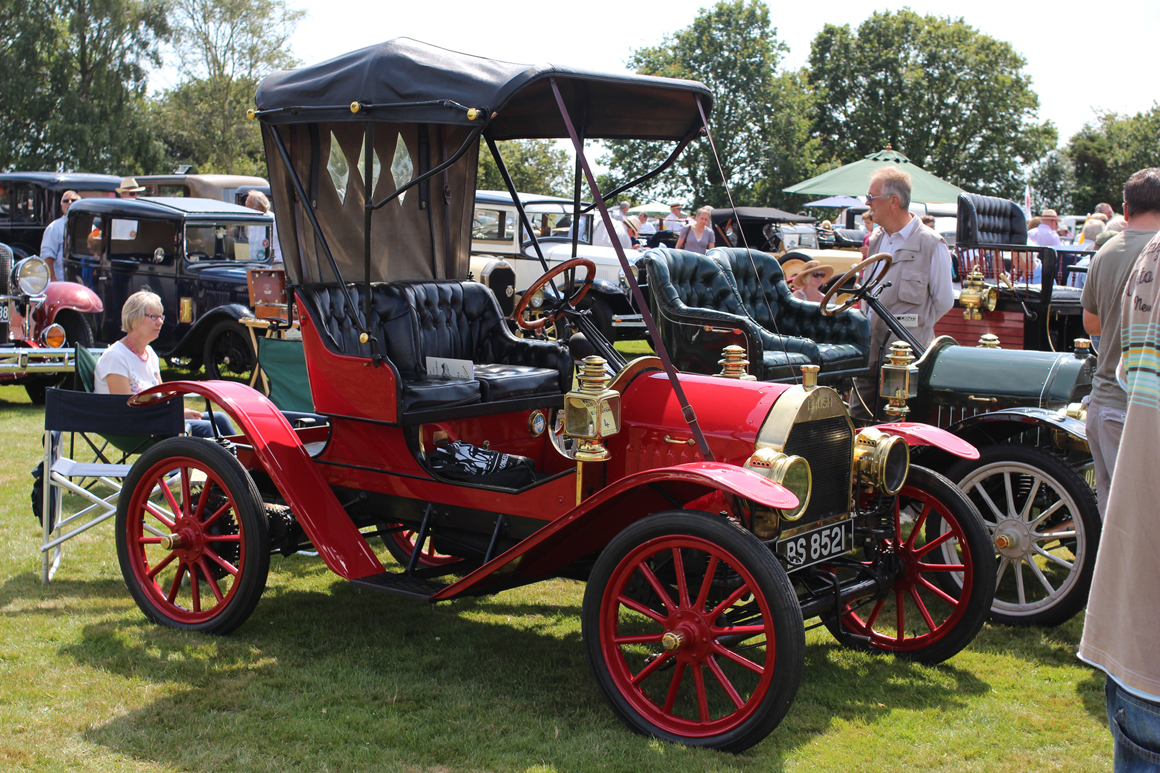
678, 441
983, 399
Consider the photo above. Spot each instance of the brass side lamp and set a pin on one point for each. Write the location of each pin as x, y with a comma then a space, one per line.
988, 341
592, 411
734, 365
899, 381
976, 297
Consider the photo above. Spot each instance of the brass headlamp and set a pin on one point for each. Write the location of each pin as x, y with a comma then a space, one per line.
793, 472
976, 297
592, 411
882, 461
899, 381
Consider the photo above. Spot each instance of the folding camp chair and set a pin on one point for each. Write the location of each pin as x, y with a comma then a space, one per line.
284, 363
88, 416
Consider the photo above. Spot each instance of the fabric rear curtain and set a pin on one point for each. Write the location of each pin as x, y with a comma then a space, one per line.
401, 232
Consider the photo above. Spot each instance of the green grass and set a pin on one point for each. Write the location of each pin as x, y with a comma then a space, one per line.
325, 678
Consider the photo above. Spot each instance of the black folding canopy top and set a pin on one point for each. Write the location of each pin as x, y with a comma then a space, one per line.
405, 81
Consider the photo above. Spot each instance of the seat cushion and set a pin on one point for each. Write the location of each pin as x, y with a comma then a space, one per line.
782, 366
507, 382
421, 393
842, 357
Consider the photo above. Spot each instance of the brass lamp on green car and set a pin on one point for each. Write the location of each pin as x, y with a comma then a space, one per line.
592, 411
976, 297
899, 380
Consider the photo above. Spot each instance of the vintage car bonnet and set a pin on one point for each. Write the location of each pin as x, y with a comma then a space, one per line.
428, 104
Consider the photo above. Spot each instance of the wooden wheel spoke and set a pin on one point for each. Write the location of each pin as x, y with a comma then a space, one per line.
726, 685
938, 591
1047, 513
659, 589
175, 586
682, 581
1030, 500
169, 523
1068, 565
934, 543
194, 587
644, 638
707, 582
152, 573
674, 686
922, 610
185, 488
224, 564
877, 610
916, 529
744, 662
637, 606
651, 668
942, 567
899, 614
218, 514
210, 580
702, 695
737, 593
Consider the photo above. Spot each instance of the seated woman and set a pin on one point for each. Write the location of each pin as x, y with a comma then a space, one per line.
809, 280
130, 365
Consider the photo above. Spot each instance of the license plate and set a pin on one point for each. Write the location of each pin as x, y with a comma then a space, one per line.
817, 545
4, 312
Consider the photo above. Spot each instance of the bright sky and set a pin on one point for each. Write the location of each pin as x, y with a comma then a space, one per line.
1081, 62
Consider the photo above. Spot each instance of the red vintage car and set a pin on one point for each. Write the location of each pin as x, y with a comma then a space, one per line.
710, 516
41, 322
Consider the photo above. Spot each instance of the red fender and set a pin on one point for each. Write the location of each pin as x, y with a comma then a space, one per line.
66, 295
284, 458
590, 526
916, 434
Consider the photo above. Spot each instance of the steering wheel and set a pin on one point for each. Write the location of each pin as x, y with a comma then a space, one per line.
562, 307
861, 291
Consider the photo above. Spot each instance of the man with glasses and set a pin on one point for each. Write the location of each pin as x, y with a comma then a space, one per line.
52, 243
919, 287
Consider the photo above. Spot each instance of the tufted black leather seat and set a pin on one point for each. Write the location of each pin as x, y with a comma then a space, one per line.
459, 320
843, 340
701, 305
699, 312
985, 220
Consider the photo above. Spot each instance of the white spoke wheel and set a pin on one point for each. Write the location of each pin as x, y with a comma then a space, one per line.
1044, 525
693, 632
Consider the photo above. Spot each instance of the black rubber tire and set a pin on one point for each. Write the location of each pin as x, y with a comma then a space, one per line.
965, 618
78, 331
765, 598
227, 483
1059, 482
229, 355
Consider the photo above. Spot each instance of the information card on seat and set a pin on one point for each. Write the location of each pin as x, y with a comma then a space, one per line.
447, 368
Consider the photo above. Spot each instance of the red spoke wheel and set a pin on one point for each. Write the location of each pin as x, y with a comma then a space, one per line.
937, 533
191, 536
401, 544
693, 631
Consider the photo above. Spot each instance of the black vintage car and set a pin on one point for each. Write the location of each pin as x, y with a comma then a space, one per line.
192, 252
29, 201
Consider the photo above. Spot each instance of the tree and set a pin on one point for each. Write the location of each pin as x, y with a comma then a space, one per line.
225, 47
760, 118
78, 101
1104, 156
536, 166
1053, 183
953, 100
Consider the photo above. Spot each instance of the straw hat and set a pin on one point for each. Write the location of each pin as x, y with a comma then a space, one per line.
129, 185
809, 268
1049, 214
791, 267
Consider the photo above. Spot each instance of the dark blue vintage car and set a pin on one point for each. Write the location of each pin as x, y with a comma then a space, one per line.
192, 252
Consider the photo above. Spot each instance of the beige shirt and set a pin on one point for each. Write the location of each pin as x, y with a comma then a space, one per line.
1121, 632
920, 278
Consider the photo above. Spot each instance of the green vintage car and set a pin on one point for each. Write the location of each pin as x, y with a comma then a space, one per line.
1021, 409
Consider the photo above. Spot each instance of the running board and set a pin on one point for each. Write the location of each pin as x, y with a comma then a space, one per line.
400, 585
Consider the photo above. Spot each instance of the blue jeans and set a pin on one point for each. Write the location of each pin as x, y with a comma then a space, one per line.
202, 427
1135, 726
